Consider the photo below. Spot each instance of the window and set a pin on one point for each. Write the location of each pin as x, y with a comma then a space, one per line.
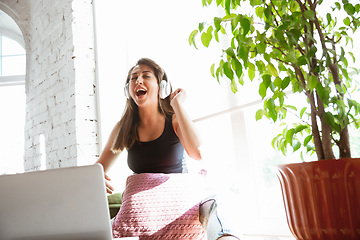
12, 57
12, 105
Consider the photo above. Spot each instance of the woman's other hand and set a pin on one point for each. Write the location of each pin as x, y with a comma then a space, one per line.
109, 187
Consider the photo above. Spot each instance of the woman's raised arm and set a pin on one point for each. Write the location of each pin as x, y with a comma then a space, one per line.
184, 126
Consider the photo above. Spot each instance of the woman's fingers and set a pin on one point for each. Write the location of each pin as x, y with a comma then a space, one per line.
107, 177
109, 188
178, 95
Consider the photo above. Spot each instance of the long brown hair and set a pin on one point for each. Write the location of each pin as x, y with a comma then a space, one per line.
127, 134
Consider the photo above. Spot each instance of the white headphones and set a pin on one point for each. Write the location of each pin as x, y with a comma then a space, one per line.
164, 89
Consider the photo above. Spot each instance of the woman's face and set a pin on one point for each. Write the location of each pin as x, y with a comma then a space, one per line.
143, 85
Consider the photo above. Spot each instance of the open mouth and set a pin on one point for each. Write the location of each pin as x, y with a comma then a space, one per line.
140, 92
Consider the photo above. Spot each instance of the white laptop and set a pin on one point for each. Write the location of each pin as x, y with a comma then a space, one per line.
66, 203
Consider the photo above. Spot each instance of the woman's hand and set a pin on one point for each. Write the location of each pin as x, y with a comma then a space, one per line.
177, 97
109, 187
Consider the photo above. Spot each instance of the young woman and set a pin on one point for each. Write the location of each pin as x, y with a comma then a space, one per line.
155, 128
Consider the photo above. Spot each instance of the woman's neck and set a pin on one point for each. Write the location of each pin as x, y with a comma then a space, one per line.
150, 116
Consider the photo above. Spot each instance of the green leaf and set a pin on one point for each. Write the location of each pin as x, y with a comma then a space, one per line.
267, 12
302, 111
218, 70
259, 11
357, 7
245, 24
217, 22
205, 39
218, 2
338, 6
237, 67
277, 82
328, 17
342, 55
244, 53
339, 89
312, 51
311, 83
227, 6
228, 71
291, 57
251, 73
259, 114
352, 55
207, 36
260, 66
296, 146
266, 80
309, 14
270, 104
222, 29
234, 21
272, 70
329, 120
234, 88
230, 52
291, 107
212, 69
216, 34
307, 139
201, 26
261, 47
241, 79
262, 90
285, 82
192, 38
299, 128
301, 61
347, 21
290, 135
349, 8
328, 60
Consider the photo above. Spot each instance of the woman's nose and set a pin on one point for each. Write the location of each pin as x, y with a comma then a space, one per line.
139, 80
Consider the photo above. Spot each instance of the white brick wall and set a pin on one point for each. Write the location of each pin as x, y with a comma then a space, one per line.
61, 81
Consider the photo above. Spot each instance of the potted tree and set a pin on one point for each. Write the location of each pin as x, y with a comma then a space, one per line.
291, 47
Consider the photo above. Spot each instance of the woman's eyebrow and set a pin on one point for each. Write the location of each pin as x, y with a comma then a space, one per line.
142, 72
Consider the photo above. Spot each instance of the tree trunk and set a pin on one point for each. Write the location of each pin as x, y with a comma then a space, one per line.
315, 130
326, 141
325, 132
344, 143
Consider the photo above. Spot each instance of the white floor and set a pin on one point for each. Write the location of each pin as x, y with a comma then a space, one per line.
246, 237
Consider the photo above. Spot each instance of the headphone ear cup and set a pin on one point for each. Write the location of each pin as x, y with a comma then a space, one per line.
126, 91
165, 89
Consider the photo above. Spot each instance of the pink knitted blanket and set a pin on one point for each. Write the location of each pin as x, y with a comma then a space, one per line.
160, 206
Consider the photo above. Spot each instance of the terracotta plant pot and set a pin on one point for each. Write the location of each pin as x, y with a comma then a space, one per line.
322, 198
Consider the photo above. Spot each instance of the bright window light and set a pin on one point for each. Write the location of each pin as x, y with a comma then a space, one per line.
12, 57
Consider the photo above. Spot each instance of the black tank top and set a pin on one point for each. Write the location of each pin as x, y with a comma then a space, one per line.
162, 155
